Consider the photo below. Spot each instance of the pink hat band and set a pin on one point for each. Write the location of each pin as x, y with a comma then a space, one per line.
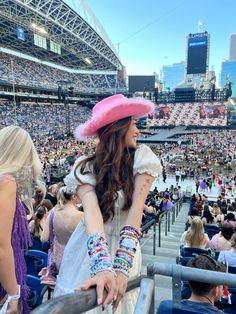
112, 109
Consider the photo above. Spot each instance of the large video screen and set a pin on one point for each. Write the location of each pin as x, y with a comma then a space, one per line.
141, 83
184, 114
197, 55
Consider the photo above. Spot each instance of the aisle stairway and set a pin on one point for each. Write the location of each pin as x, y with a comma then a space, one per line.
166, 253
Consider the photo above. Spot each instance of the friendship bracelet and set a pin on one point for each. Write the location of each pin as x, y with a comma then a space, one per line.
98, 251
124, 256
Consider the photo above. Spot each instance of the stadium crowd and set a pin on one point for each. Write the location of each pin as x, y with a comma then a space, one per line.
31, 73
208, 159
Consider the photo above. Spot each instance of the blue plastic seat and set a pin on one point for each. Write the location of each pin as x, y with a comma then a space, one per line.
38, 245
36, 291
211, 230
191, 252
35, 261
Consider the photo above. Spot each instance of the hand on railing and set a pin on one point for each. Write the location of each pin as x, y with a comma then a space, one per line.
102, 280
121, 286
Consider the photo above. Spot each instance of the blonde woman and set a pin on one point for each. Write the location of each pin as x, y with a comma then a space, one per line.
216, 212
19, 166
195, 237
64, 218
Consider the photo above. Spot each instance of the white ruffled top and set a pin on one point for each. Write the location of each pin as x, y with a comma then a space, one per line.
145, 161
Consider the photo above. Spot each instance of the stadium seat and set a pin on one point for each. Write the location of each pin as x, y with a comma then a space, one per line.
36, 243
35, 261
37, 291
191, 252
211, 230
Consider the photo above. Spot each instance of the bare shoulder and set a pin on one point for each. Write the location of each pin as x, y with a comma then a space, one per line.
7, 183
78, 216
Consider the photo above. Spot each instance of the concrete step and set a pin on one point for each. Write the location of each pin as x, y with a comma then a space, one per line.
166, 253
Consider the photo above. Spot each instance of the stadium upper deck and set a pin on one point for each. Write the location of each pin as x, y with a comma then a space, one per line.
52, 31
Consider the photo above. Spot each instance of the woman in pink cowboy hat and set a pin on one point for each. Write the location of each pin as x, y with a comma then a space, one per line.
112, 184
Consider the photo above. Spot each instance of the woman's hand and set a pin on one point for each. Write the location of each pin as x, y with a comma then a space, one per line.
12, 307
121, 286
102, 280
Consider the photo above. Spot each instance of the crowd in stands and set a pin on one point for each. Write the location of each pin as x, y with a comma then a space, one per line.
210, 231
31, 73
209, 156
209, 226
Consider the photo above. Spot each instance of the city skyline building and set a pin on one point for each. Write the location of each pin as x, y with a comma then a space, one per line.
228, 72
173, 75
232, 50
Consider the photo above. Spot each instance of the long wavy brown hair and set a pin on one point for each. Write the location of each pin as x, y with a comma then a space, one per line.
112, 167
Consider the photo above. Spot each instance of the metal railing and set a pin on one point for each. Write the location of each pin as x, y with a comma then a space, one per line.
178, 273
165, 218
80, 302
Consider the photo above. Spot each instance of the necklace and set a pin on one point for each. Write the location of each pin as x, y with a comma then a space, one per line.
206, 297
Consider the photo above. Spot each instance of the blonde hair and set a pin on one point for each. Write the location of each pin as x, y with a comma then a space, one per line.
20, 159
195, 236
63, 197
216, 209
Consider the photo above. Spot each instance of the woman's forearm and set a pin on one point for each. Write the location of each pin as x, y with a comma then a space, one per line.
92, 213
7, 271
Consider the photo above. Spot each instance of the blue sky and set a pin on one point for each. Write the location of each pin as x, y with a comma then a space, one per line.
164, 25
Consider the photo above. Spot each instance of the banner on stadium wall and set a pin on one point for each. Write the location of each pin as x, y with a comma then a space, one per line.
40, 41
20, 33
55, 47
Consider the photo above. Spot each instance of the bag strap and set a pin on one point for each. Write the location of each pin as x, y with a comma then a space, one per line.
51, 236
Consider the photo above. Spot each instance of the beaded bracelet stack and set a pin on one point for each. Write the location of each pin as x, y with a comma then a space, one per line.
123, 261
100, 259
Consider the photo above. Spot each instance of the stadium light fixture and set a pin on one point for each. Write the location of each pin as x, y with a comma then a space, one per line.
87, 60
42, 30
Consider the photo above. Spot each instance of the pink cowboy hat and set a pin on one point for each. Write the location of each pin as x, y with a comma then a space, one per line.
112, 109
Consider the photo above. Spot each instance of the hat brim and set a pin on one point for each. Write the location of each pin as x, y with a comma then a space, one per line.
128, 107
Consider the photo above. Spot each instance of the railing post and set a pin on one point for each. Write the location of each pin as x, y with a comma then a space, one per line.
154, 239
166, 224
150, 274
159, 233
173, 215
168, 215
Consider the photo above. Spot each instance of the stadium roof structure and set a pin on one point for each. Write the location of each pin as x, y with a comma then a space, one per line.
82, 47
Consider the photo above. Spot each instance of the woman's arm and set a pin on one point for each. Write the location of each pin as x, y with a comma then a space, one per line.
92, 213
94, 225
7, 211
45, 233
142, 185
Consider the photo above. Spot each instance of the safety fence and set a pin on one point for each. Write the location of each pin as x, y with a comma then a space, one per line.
164, 221
80, 302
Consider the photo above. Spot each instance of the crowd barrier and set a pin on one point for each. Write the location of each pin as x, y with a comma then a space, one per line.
80, 302
165, 220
